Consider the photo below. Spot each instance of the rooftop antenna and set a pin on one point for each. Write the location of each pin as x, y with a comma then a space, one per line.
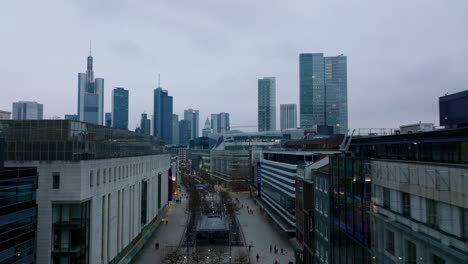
159, 80
90, 48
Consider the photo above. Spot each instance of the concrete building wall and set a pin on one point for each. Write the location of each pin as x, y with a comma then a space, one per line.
115, 199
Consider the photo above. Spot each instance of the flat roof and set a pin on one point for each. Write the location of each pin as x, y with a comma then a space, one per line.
212, 223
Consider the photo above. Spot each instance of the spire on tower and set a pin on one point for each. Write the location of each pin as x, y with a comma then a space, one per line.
159, 80
90, 48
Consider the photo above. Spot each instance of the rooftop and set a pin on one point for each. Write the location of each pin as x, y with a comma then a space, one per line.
212, 223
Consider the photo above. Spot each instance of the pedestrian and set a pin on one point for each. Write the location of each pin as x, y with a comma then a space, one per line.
242, 205
270, 248
258, 257
167, 222
250, 247
275, 248
282, 251
276, 261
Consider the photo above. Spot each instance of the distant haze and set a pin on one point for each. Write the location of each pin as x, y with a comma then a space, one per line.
402, 55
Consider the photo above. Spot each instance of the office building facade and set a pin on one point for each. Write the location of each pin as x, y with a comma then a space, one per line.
24, 110
120, 108
323, 91
220, 123
185, 132
175, 129
90, 95
96, 198
207, 128
267, 104
108, 120
288, 116
162, 115
145, 124
71, 117
193, 117
453, 110
5, 115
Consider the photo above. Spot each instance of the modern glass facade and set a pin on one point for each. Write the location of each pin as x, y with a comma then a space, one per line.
288, 116
46, 140
323, 91
175, 129
90, 95
162, 114
27, 111
145, 124
18, 213
193, 117
108, 121
70, 229
267, 104
220, 123
120, 108
184, 132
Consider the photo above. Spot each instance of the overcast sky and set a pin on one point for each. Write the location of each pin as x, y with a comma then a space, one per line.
402, 55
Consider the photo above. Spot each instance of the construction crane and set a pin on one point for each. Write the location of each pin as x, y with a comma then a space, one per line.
241, 126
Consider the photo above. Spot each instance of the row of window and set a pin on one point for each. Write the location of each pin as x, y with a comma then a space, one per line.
321, 252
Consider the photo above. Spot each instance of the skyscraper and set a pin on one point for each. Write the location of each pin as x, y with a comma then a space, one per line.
207, 128
184, 132
288, 116
220, 123
108, 119
162, 115
24, 110
175, 129
192, 116
145, 124
267, 104
323, 91
120, 108
90, 95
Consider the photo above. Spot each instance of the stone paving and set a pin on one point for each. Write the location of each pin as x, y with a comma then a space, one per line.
260, 231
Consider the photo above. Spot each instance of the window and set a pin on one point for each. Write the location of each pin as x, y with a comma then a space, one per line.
104, 175
389, 241
431, 211
410, 252
55, 180
437, 260
110, 174
91, 180
405, 204
98, 178
115, 173
386, 198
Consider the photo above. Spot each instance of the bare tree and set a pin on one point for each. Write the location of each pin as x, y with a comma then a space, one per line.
217, 256
241, 257
173, 256
198, 256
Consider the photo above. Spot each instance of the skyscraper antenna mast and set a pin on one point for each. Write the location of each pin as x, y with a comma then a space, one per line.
90, 48
159, 80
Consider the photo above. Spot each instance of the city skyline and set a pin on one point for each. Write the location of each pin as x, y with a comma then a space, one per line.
134, 60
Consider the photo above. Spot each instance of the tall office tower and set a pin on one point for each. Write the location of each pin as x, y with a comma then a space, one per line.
192, 116
220, 123
175, 129
267, 104
288, 116
90, 95
207, 128
120, 108
323, 91
162, 115
108, 119
24, 110
145, 124
185, 132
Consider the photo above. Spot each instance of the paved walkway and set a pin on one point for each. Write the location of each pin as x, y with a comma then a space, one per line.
261, 232
167, 235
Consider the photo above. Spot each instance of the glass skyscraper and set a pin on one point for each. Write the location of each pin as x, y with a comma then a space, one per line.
162, 115
145, 124
120, 108
220, 123
323, 91
193, 117
24, 110
175, 129
267, 104
90, 95
288, 116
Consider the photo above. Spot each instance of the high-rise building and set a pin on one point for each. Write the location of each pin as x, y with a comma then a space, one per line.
185, 132
5, 115
323, 91
267, 104
120, 108
220, 123
288, 116
90, 95
453, 110
207, 128
108, 119
145, 124
175, 129
24, 110
162, 123
192, 116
